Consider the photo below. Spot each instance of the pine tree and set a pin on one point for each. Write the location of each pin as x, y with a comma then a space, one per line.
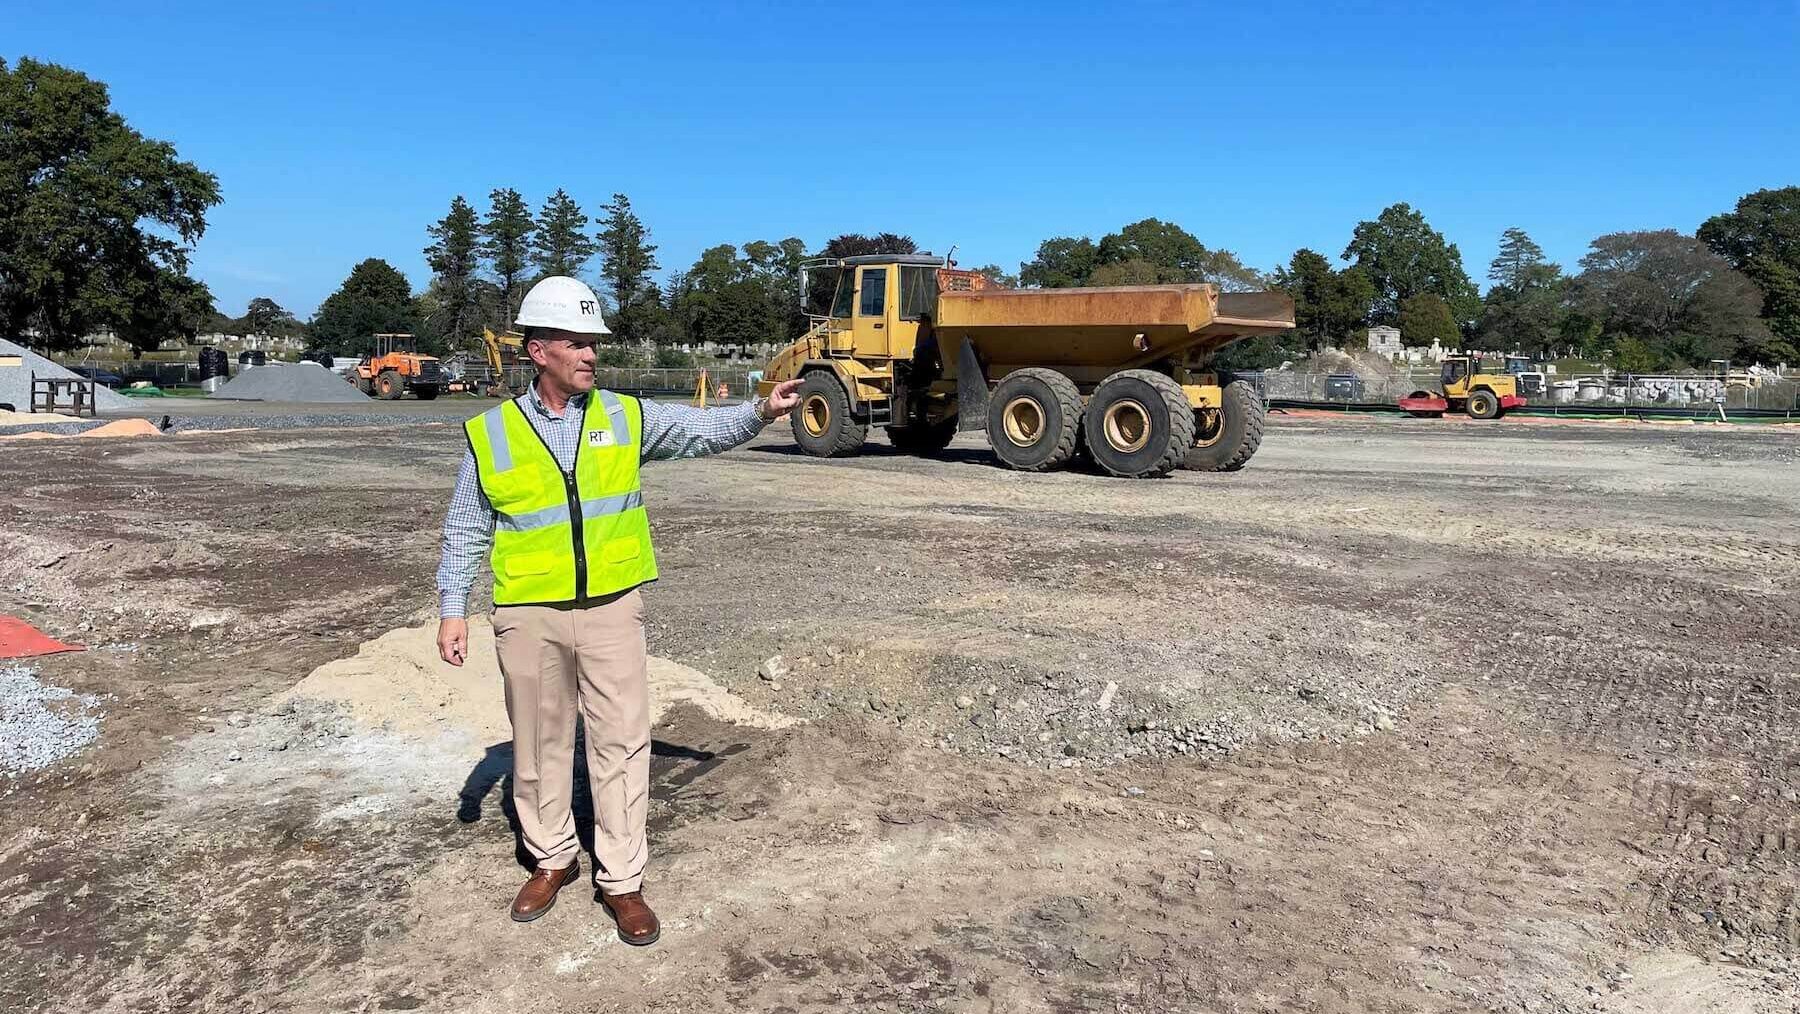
454, 258
627, 258
1518, 256
506, 243
561, 245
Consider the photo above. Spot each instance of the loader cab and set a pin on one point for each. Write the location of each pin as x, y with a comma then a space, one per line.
879, 303
391, 344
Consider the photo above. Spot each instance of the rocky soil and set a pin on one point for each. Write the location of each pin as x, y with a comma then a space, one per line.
1406, 716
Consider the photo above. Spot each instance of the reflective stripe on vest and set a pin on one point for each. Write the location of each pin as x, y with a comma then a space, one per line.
559, 515
536, 544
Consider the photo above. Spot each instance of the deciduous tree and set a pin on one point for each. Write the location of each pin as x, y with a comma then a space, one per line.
1403, 257
265, 316
1061, 262
855, 244
96, 220
1761, 239
1425, 318
1000, 275
1663, 287
375, 299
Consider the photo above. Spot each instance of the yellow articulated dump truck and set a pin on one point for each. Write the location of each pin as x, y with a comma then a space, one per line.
1122, 375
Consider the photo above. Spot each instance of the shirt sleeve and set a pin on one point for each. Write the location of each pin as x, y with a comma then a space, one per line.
682, 431
468, 535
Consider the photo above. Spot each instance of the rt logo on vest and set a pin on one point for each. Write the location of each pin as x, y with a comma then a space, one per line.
600, 438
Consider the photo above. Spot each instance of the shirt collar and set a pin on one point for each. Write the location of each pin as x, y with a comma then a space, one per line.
577, 402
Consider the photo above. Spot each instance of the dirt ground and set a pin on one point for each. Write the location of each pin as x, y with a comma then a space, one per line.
1406, 716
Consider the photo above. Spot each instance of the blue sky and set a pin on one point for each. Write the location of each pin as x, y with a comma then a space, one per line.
339, 131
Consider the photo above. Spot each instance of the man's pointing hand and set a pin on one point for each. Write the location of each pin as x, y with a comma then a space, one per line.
781, 401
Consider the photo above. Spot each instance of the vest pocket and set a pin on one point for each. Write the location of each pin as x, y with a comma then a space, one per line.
529, 564
620, 550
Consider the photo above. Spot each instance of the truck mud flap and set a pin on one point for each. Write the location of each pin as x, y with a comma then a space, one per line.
971, 390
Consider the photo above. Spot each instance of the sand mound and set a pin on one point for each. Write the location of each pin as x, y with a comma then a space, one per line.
32, 419
120, 428
125, 428
398, 681
303, 382
15, 381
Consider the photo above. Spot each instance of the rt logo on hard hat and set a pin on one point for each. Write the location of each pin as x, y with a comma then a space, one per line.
587, 306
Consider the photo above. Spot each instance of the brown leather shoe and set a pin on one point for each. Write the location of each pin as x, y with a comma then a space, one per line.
637, 924
539, 893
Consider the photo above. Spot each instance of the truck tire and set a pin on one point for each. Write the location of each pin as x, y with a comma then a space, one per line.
1139, 424
823, 426
1230, 437
426, 393
1034, 419
390, 386
924, 439
1483, 405
366, 386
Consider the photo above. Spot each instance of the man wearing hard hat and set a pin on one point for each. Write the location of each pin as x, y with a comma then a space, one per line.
549, 491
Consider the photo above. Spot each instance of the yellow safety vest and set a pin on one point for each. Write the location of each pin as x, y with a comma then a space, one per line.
565, 537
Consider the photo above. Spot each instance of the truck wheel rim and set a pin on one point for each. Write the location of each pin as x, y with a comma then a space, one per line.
1024, 420
1209, 426
1127, 426
816, 415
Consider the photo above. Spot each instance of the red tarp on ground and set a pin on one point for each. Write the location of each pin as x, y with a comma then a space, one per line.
19, 639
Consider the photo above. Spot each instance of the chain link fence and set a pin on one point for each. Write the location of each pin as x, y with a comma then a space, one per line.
1573, 392
632, 380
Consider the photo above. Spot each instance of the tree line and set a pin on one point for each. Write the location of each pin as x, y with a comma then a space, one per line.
483, 262
97, 223
1645, 300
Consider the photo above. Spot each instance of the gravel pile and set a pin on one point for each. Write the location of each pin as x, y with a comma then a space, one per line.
297, 421
299, 382
65, 428
41, 724
15, 381
305, 421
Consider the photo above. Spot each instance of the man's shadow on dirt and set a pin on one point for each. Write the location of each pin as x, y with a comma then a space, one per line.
495, 769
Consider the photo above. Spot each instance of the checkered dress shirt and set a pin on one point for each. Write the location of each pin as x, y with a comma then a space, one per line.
670, 431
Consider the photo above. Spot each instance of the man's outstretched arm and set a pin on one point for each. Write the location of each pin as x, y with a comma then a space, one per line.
682, 431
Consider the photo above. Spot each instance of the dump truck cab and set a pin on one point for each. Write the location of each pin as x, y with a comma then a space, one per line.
879, 303
912, 344
867, 315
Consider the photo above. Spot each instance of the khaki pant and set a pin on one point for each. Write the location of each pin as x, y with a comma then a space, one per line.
556, 661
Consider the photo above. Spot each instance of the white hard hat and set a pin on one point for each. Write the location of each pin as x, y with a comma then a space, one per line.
562, 303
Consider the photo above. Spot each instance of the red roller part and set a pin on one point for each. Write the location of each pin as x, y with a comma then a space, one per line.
1424, 402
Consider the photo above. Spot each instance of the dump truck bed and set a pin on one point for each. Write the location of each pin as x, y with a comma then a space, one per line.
1101, 326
